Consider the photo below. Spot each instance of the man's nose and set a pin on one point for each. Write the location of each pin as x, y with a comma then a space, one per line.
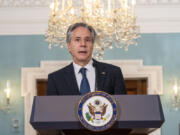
83, 42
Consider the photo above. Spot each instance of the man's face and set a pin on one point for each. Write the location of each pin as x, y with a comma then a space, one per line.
81, 46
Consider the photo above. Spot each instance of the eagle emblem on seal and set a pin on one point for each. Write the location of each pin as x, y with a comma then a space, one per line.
97, 110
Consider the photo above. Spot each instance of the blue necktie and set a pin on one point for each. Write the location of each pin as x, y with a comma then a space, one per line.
84, 86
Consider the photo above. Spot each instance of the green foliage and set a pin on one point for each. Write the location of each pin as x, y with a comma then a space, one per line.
88, 116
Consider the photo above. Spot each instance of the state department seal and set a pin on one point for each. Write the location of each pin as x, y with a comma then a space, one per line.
97, 111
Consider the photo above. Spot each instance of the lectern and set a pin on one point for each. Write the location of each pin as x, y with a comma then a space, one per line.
138, 114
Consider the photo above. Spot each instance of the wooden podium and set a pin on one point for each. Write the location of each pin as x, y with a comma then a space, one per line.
138, 114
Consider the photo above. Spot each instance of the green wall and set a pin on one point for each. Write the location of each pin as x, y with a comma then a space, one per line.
27, 51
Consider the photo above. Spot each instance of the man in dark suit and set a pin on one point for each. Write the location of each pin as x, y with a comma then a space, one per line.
84, 74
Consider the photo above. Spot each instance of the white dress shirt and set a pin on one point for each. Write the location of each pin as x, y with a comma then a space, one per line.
90, 74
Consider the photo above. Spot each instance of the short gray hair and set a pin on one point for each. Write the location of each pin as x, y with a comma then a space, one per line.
76, 25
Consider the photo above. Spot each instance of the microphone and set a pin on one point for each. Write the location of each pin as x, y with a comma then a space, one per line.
95, 67
94, 64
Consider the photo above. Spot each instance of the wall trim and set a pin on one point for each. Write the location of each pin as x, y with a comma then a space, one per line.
45, 3
130, 69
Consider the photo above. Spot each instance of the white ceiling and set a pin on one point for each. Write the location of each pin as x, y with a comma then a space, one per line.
22, 17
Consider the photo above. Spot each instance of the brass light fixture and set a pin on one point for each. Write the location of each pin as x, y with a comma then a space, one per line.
176, 100
5, 98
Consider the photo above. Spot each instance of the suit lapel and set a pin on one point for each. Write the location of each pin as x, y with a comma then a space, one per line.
71, 80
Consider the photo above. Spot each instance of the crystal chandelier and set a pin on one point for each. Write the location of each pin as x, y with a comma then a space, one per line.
113, 20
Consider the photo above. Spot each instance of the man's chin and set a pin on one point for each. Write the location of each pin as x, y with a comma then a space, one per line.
84, 59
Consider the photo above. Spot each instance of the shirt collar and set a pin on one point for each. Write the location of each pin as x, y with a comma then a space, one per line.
78, 67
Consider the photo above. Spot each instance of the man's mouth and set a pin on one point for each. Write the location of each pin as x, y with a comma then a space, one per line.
82, 52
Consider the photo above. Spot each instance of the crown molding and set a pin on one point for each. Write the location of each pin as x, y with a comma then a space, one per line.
45, 3
152, 18
158, 18
23, 21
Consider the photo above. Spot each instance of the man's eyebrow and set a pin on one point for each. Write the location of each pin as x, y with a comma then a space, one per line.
88, 37
77, 37
84, 37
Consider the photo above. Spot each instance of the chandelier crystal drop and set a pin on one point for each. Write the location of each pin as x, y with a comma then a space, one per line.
113, 20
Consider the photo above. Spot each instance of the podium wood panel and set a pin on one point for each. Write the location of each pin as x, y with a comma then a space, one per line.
138, 113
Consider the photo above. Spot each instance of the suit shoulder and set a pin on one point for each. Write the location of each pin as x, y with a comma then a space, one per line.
109, 66
60, 71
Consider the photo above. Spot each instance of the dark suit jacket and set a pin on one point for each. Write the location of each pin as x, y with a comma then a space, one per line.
109, 78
